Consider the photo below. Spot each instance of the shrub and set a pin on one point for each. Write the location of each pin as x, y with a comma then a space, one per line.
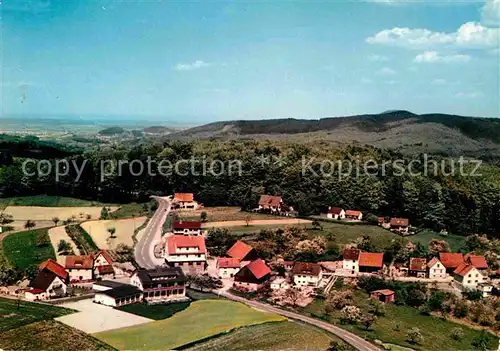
350, 314
457, 333
414, 336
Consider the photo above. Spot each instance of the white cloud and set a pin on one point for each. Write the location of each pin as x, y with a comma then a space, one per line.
378, 58
469, 35
490, 13
191, 66
386, 71
439, 81
435, 57
468, 95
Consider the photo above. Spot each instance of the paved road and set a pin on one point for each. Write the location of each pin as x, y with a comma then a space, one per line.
350, 338
151, 235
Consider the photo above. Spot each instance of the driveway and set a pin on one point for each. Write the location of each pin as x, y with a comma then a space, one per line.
94, 318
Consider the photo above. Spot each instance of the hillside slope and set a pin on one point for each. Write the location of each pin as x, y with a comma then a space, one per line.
393, 129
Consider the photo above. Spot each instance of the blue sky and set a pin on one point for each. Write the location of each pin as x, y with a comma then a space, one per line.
204, 61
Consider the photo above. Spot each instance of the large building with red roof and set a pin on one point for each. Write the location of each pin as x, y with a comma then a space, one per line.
451, 261
253, 276
370, 261
242, 252
478, 261
54, 267
186, 201
186, 252
46, 285
468, 277
79, 268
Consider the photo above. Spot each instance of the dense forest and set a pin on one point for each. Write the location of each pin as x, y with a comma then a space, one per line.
461, 204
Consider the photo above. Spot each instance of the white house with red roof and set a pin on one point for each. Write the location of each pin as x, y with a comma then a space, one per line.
186, 252
186, 201
253, 276
354, 215
79, 268
436, 269
187, 228
335, 213
468, 277
227, 267
54, 267
103, 265
46, 285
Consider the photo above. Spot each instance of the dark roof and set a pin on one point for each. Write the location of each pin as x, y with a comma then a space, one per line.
334, 210
124, 290
269, 200
186, 225
306, 268
160, 275
418, 264
351, 254
43, 279
109, 283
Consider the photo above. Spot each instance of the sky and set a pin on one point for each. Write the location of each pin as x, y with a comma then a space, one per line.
200, 61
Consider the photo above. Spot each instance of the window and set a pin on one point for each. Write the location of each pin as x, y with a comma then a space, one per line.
468, 281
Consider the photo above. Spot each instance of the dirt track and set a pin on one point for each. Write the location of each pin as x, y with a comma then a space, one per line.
282, 221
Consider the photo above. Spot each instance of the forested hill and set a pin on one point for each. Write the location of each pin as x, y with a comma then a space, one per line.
388, 129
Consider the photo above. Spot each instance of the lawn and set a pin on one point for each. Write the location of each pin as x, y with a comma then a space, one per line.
38, 213
392, 327
21, 250
125, 229
270, 336
13, 316
50, 336
223, 213
132, 210
47, 201
456, 242
201, 320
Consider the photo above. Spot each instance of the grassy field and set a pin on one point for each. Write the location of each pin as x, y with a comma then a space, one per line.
204, 319
270, 336
37, 213
13, 316
216, 214
132, 210
82, 239
47, 201
50, 336
21, 250
456, 242
392, 327
125, 228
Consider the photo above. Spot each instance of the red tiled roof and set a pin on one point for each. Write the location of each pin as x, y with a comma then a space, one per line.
269, 200
352, 213
228, 262
418, 264
184, 197
177, 241
463, 269
478, 261
79, 262
351, 254
186, 225
385, 292
432, 262
258, 268
334, 210
371, 259
108, 269
54, 267
306, 268
239, 250
451, 260
399, 222
35, 291
105, 254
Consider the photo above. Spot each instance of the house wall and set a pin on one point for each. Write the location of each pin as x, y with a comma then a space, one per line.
36, 297
351, 265
101, 261
471, 280
79, 274
188, 205
57, 288
135, 281
104, 300
306, 280
437, 271
157, 295
189, 267
187, 231
225, 273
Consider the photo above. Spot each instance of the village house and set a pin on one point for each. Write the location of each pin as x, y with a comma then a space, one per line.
272, 204
162, 284
383, 295
335, 213
242, 252
186, 201
353, 215
119, 296
370, 262
187, 228
436, 269
384, 222
253, 276
451, 261
468, 277
54, 267
279, 283
478, 261
46, 285
103, 265
227, 267
399, 225
187, 252
79, 268
418, 267
350, 260
307, 274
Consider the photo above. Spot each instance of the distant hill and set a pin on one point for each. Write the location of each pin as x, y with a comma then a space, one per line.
158, 130
112, 131
391, 129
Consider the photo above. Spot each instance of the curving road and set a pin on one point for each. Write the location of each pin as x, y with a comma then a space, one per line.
350, 338
151, 235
